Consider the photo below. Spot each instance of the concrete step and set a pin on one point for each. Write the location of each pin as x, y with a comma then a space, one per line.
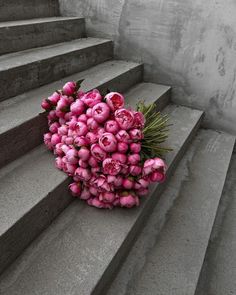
80, 251
168, 255
25, 9
26, 34
30, 198
21, 120
219, 269
24, 70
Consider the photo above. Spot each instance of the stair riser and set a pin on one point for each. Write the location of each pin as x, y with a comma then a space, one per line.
120, 256
20, 79
15, 240
17, 38
30, 134
25, 9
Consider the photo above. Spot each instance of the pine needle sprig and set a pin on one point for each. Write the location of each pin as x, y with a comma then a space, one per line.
155, 131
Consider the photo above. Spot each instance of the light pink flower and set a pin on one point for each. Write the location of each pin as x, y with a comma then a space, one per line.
101, 183
135, 147
59, 163
77, 107
75, 189
139, 120
115, 100
58, 149
93, 191
85, 194
72, 157
83, 118
81, 128
112, 126
63, 130
124, 118
107, 197
134, 159
128, 183
101, 112
70, 169
153, 165
83, 164
54, 127
136, 134
69, 140
89, 112
98, 153
111, 167
98, 204
123, 136
119, 157
108, 142
83, 174
93, 162
92, 137
135, 170
81, 141
69, 88
129, 201
122, 147
92, 98
54, 98
157, 176
92, 124
46, 105
84, 153
56, 138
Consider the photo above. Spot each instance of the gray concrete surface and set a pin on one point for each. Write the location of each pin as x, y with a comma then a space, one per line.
25, 9
219, 268
78, 253
167, 257
188, 44
21, 117
22, 71
26, 34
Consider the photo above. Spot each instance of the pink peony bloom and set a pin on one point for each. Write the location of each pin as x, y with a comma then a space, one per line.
93, 162
54, 127
92, 124
46, 105
112, 126
139, 120
91, 137
81, 141
128, 183
134, 159
84, 153
93, 191
153, 165
119, 157
83, 164
108, 142
70, 169
89, 113
81, 128
54, 98
56, 138
83, 118
136, 134
75, 189
98, 204
92, 98
83, 174
69, 140
142, 191
72, 157
123, 136
157, 176
135, 170
124, 118
129, 201
63, 130
122, 147
101, 183
115, 100
59, 163
135, 147
98, 153
85, 194
77, 107
69, 88
141, 183
111, 167
107, 197
100, 112
58, 149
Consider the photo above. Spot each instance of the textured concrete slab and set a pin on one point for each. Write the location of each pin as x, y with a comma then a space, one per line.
26, 34
81, 250
219, 268
20, 116
168, 255
32, 68
24, 9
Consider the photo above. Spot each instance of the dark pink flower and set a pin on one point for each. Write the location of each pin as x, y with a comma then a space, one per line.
108, 142
124, 118
139, 120
98, 153
111, 167
115, 100
92, 98
100, 112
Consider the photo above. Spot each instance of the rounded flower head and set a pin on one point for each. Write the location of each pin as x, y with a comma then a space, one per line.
153, 165
112, 126
92, 98
83, 174
124, 118
98, 153
123, 136
69, 88
75, 189
77, 107
100, 112
115, 100
129, 201
108, 142
111, 167
139, 120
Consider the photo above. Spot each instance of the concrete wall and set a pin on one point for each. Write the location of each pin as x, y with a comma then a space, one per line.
189, 44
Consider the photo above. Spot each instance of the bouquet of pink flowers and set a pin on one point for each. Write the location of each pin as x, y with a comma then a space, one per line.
111, 152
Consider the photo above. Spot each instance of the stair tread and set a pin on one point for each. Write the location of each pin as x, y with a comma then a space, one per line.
176, 256
16, 23
81, 243
28, 56
22, 108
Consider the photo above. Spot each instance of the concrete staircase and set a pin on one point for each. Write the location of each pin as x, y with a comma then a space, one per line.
80, 250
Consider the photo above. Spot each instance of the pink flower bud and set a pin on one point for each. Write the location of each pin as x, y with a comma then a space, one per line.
83, 174
93, 191
128, 183
63, 130
83, 118
70, 169
157, 176
83, 164
65, 148
81, 128
142, 192
75, 189
129, 201
92, 124
58, 149
122, 147
69, 88
89, 113
123, 136
135, 170
54, 127
85, 194
136, 134
101, 112
98, 204
135, 147
69, 140
112, 126
93, 162
115, 100
97, 152
52, 115
124, 118
108, 142
59, 163
54, 98
111, 166
107, 197
81, 141
46, 105
91, 137
92, 98
84, 154
119, 157
134, 159
55, 139
71, 156
139, 120
77, 107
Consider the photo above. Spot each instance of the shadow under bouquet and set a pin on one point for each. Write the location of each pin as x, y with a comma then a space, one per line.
111, 152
